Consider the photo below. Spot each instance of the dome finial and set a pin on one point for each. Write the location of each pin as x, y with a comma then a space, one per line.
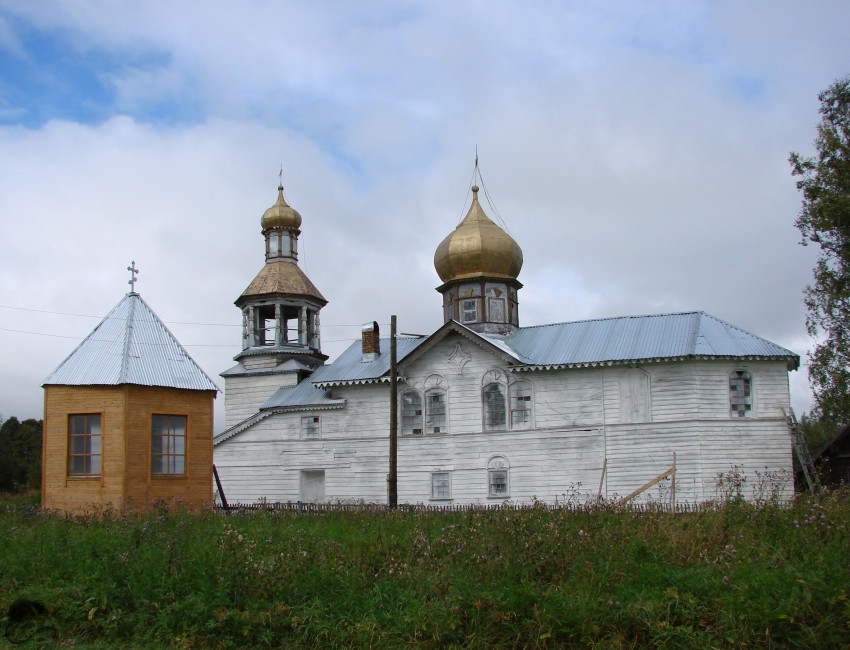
281, 215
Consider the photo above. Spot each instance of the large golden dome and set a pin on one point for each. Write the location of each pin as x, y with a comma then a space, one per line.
280, 215
477, 248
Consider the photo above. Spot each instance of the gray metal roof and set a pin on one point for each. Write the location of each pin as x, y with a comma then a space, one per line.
640, 338
131, 345
287, 367
304, 393
349, 367
628, 339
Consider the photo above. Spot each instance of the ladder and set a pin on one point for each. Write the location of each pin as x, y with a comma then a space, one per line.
801, 448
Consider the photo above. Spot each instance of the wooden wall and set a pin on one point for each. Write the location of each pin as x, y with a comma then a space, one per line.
576, 426
194, 489
125, 480
60, 492
246, 394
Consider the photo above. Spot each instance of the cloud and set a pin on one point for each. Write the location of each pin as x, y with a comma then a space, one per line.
636, 152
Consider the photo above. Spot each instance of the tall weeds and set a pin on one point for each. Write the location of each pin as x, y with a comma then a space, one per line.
751, 576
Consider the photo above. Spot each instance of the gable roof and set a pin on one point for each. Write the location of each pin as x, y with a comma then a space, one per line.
131, 345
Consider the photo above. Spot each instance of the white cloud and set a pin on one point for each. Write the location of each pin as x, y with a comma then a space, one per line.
636, 152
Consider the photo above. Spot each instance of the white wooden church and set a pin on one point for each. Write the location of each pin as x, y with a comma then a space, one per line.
489, 411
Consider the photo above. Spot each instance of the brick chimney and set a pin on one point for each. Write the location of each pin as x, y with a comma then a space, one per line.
371, 341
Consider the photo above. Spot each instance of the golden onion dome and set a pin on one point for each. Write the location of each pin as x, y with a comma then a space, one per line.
477, 248
281, 215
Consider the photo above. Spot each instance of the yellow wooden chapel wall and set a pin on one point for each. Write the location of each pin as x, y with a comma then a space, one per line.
58, 490
126, 417
194, 489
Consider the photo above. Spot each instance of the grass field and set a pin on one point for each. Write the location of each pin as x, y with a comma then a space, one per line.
736, 577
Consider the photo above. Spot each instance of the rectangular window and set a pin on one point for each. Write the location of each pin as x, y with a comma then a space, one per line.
441, 486
168, 445
469, 311
84, 445
311, 427
520, 405
436, 414
740, 394
498, 482
411, 414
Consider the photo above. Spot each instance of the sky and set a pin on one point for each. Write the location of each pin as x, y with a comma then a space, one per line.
636, 151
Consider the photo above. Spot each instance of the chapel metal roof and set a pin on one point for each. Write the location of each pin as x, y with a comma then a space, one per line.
640, 338
131, 345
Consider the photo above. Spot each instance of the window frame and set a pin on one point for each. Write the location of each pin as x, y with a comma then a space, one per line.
87, 437
411, 419
429, 414
488, 405
498, 465
170, 440
513, 397
306, 428
475, 310
745, 376
435, 487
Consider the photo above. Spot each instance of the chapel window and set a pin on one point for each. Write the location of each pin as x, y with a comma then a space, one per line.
521, 405
469, 310
311, 426
740, 393
497, 477
168, 445
435, 411
494, 407
441, 485
84, 445
411, 413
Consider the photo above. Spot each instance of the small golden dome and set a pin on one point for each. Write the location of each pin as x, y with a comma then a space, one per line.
477, 248
280, 215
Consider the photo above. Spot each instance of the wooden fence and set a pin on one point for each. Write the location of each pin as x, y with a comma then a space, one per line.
305, 508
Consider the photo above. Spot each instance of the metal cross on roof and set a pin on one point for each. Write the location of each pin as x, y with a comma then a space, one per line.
133, 273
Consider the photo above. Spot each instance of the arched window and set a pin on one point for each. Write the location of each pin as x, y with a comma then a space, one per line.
494, 391
498, 476
435, 411
435, 405
740, 393
411, 413
494, 407
521, 405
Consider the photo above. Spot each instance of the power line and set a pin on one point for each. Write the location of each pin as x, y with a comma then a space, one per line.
185, 345
167, 322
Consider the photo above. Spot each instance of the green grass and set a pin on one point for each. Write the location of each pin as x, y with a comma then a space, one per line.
740, 577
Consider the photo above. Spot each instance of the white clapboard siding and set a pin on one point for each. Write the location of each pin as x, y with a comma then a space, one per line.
579, 419
245, 395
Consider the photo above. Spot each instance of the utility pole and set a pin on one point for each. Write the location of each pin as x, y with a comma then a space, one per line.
392, 479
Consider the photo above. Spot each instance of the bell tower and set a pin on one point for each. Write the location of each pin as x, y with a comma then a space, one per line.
281, 341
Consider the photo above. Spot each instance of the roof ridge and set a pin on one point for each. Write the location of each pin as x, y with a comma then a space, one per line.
128, 338
604, 318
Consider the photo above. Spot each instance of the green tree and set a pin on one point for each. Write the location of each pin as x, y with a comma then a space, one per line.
825, 220
20, 454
